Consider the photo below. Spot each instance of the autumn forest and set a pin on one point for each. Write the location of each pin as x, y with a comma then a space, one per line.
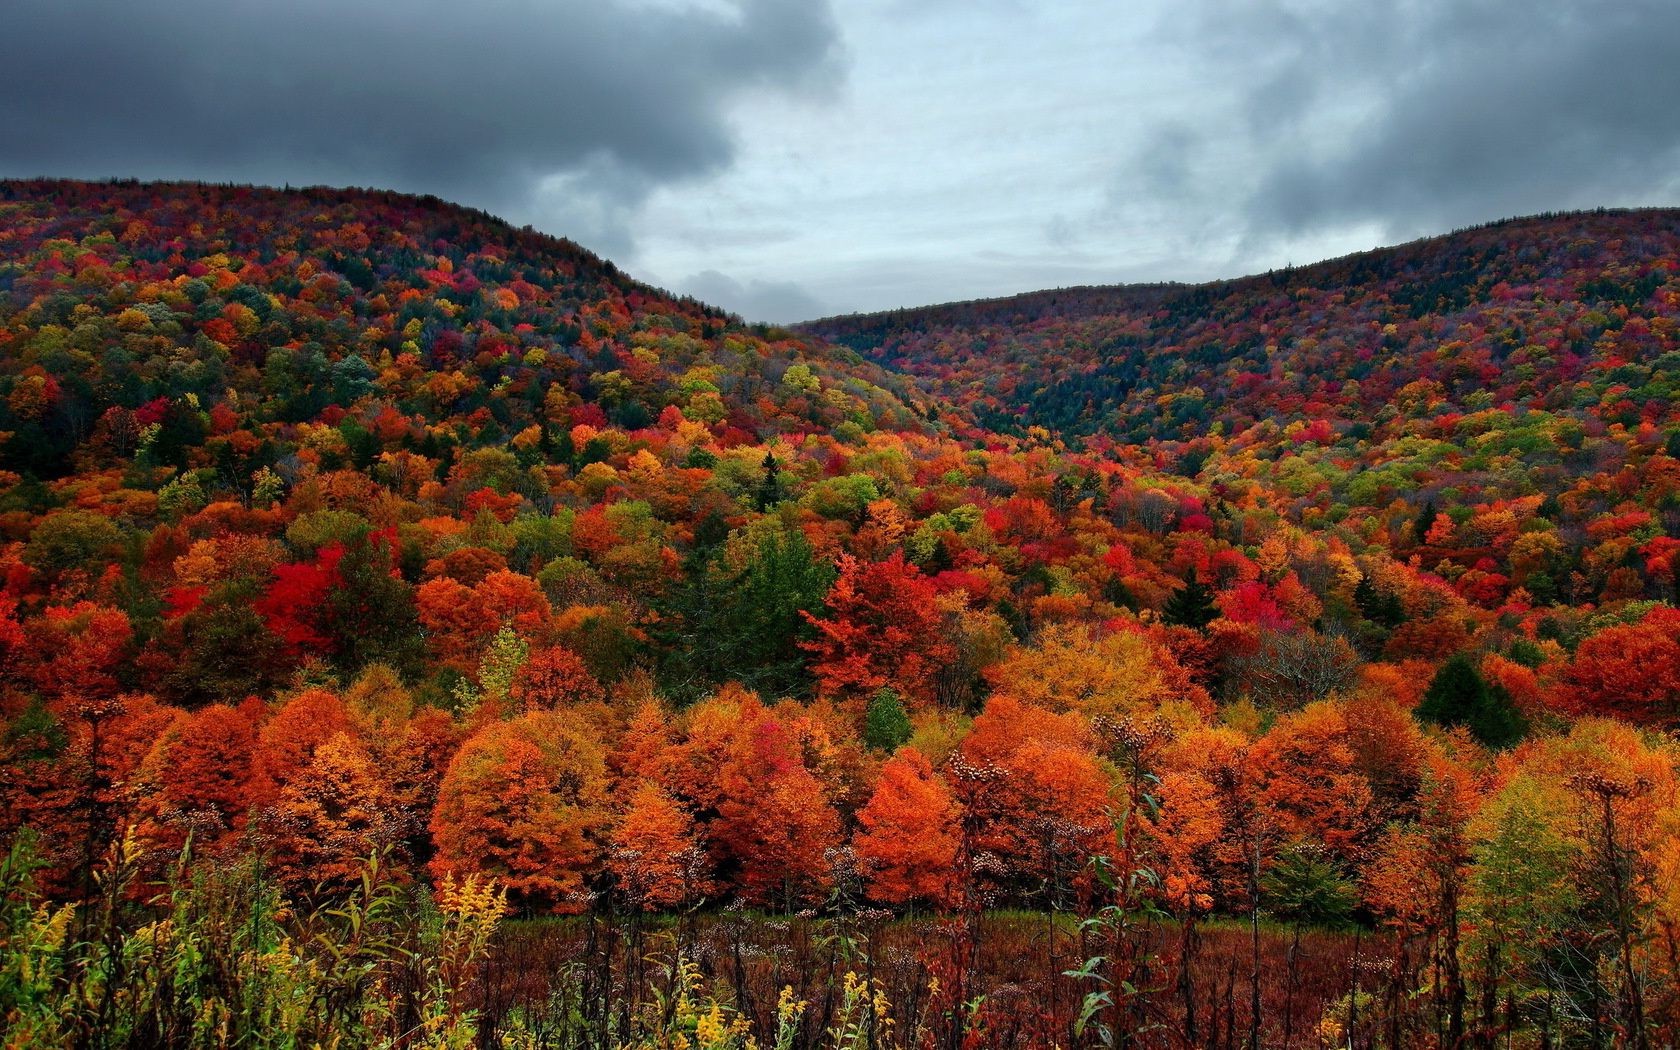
416, 632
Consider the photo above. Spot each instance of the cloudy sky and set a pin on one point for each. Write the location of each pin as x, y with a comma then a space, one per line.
791, 158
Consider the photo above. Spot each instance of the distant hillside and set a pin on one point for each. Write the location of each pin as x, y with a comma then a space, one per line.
1566, 313
395, 320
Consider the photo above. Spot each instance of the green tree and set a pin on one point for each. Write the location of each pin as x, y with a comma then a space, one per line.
1458, 696
72, 539
761, 622
886, 725
1382, 608
1191, 605
1306, 887
770, 486
370, 615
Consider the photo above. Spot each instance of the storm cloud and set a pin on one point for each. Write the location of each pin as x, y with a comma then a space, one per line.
795, 156
573, 111
1425, 116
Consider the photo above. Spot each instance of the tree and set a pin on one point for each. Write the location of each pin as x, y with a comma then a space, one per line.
370, 613
908, 836
1381, 607
70, 541
1458, 696
886, 725
1630, 671
1290, 668
555, 677
1192, 605
655, 852
457, 620
286, 743
1036, 796
1309, 782
77, 650
769, 492
882, 629
775, 822
196, 780
329, 819
294, 603
1521, 899
765, 614
524, 802
221, 650
1115, 674
1305, 886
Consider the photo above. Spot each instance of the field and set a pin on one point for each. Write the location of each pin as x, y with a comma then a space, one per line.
571, 981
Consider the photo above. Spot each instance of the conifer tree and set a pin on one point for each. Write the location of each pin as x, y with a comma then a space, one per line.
1191, 605
1458, 696
886, 725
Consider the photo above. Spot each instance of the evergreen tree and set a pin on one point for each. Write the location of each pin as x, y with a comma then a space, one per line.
691, 627
370, 615
762, 626
886, 725
1458, 696
743, 626
1306, 887
1420, 527
1382, 608
1191, 605
770, 487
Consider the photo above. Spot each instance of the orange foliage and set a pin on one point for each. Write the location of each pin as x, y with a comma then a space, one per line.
882, 629
656, 854
525, 802
907, 839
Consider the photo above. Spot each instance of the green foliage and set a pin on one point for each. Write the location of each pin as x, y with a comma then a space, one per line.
745, 626
540, 538
312, 531
67, 540
886, 725
1458, 696
1306, 886
1524, 652
1191, 605
770, 486
842, 498
225, 651
370, 615
1382, 608
219, 958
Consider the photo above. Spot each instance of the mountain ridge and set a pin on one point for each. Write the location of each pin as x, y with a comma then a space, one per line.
1098, 361
1144, 289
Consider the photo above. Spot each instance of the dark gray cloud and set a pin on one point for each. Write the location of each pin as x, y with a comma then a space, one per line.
1420, 116
569, 111
879, 153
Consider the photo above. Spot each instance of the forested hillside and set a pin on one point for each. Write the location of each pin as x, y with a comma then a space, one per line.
1568, 314
341, 524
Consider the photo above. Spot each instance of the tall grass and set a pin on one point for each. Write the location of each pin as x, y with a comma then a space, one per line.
216, 957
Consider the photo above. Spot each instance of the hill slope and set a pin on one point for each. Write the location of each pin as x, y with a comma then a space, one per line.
1570, 313
120, 300
344, 524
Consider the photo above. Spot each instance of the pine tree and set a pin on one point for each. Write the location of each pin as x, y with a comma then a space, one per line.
1382, 608
1420, 527
1458, 696
1191, 605
770, 487
886, 725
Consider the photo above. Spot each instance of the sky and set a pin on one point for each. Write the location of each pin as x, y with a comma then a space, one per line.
788, 159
